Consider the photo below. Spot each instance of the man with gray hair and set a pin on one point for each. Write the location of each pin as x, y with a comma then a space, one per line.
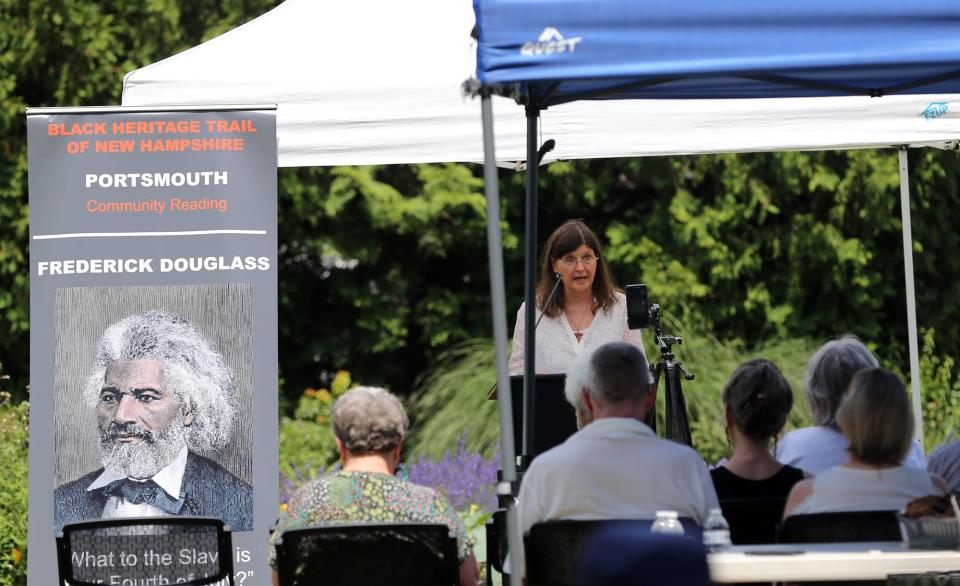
829, 372
574, 384
161, 394
615, 467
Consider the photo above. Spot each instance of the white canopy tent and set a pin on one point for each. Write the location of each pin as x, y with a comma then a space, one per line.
378, 82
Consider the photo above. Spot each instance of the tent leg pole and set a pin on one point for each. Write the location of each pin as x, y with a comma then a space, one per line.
499, 307
530, 291
911, 296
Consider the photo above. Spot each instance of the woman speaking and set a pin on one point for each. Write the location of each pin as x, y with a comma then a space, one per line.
587, 309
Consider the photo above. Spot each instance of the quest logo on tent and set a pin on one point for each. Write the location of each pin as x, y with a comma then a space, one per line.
550, 42
935, 110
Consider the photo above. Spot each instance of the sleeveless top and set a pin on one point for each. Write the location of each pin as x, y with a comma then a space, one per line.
731, 486
842, 489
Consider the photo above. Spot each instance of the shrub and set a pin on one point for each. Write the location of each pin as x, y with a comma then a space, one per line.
451, 397
466, 478
305, 439
450, 400
14, 441
941, 394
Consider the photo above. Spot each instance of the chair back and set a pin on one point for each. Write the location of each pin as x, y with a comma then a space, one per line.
368, 555
753, 520
553, 548
925, 579
496, 532
145, 550
841, 527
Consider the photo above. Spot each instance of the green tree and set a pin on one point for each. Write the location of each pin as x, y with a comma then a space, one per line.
381, 269
772, 245
14, 441
75, 53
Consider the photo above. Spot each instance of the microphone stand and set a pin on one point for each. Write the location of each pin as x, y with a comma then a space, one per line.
553, 293
678, 426
523, 460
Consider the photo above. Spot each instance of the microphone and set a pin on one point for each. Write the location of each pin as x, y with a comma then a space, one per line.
545, 148
553, 293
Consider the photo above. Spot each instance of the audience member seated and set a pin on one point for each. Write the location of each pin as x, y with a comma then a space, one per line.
756, 402
574, 383
814, 449
623, 556
875, 419
369, 425
615, 467
945, 462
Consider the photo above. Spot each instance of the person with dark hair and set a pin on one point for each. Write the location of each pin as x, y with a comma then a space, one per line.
588, 310
829, 371
369, 424
756, 401
875, 418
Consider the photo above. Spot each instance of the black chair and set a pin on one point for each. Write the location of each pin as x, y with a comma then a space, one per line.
926, 579
841, 527
753, 521
183, 550
553, 548
496, 532
368, 555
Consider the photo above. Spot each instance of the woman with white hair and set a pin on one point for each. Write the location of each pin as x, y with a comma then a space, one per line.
829, 372
875, 419
369, 424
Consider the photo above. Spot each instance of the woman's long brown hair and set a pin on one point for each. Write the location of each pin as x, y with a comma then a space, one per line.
570, 236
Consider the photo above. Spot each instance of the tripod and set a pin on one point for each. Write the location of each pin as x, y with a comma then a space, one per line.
678, 426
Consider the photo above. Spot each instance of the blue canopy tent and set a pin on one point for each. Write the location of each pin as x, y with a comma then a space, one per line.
547, 52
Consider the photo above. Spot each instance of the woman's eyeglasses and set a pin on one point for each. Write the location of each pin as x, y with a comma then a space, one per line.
571, 261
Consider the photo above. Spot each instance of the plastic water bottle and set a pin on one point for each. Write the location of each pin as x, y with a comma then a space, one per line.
716, 531
667, 523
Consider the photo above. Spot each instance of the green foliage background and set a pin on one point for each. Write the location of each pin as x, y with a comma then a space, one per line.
306, 439
14, 443
383, 270
13, 491
451, 396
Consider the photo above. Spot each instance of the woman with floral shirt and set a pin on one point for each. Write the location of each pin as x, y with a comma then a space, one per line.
369, 425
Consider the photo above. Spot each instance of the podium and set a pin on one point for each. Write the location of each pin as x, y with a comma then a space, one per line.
554, 419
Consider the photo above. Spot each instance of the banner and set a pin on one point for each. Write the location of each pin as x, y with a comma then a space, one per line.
153, 331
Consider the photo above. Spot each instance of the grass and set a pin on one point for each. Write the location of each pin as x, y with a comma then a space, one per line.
451, 397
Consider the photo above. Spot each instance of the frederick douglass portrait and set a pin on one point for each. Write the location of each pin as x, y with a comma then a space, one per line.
162, 396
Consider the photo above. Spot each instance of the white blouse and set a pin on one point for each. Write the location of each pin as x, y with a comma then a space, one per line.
558, 347
842, 489
819, 448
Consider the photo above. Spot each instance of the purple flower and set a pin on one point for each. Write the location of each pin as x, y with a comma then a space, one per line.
465, 478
